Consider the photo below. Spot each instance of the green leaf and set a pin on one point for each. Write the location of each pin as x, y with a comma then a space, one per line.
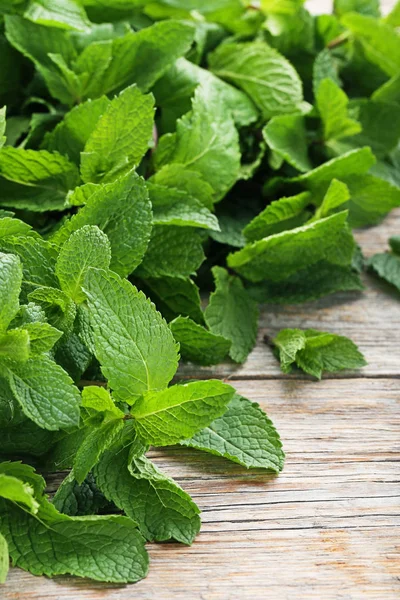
332, 103
36, 180
166, 417
108, 548
279, 256
388, 92
232, 314
337, 194
65, 14
15, 490
14, 345
191, 182
42, 337
264, 74
324, 67
99, 399
59, 308
394, 243
197, 344
381, 42
71, 134
364, 7
140, 339
120, 138
76, 500
45, 393
122, 210
175, 89
38, 258
10, 226
286, 135
244, 435
86, 247
280, 215
363, 206
10, 287
317, 351
174, 207
94, 445
386, 266
4, 559
176, 296
173, 252
207, 142
160, 507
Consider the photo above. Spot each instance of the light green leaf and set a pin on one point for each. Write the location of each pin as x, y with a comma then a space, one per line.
332, 103
244, 435
207, 142
174, 207
10, 226
120, 138
14, 489
35, 179
10, 287
232, 314
176, 296
286, 135
86, 247
45, 393
264, 74
381, 43
71, 134
337, 194
173, 252
2, 126
4, 559
280, 215
42, 337
99, 399
317, 351
160, 507
94, 445
364, 7
131, 338
388, 92
169, 416
191, 182
14, 345
197, 344
65, 14
122, 210
279, 256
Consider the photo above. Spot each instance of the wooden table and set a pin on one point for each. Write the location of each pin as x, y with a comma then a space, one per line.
329, 526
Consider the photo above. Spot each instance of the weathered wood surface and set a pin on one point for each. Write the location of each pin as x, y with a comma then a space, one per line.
329, 525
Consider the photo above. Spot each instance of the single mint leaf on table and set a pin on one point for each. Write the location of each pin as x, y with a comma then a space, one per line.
316, 351
86, 247
197, 344
244, 435
263, 73
166, 417
232, 314
161, 508
141, 339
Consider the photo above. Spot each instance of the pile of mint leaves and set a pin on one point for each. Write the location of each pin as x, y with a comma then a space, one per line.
153, 154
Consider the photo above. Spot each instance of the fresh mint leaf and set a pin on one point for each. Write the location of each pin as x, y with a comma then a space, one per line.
60, 310
42, 337
286, 136
176, 296
387, 265
141, 338
244, 435
332, 103
191, 182
99, 399
264, 74
74, 500
161, 508
279, 256
65, 14
17, 491
4, 559
86, 247
316, 351
163, 418
232, 314
336, 196
10, 287
197, 344
15, 345
280, 215
120, 138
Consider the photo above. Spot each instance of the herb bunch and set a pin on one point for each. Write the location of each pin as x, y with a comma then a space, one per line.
151, 151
